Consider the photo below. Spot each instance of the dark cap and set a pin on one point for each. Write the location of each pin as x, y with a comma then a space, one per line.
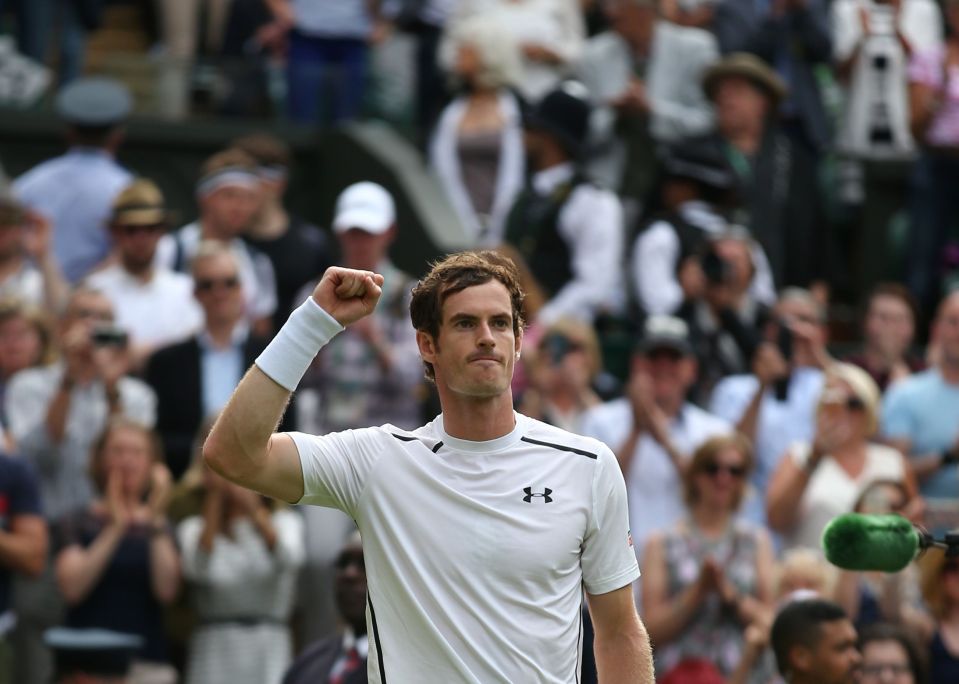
94, 102
92, 651
665, 332
564, 114
699, 162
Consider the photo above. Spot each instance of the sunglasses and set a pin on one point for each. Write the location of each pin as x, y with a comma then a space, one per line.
208, 284
150, 229
345, 560
714, 469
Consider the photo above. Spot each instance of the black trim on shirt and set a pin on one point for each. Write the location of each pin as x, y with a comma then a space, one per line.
437, 447
376, 637
404, 438
561, 447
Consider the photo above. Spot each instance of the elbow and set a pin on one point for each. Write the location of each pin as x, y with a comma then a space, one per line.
216, 456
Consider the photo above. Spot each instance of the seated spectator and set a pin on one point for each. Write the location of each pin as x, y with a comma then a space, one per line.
340, 658
26, 341
815, 643
823, 478
298, 250
890, 653
709, 576
228, 195
888, 331
28, 269
803, 572
56, 412
118, 563
561, 370
241, 558
194, 379
477, 147
154, 304
564, 233
91, 656
776, 405
653, 430
940, 589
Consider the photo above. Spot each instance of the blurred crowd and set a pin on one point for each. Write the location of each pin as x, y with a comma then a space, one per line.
690, 188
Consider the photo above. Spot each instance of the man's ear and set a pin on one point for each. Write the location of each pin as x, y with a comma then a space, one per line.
800, 658
426, 344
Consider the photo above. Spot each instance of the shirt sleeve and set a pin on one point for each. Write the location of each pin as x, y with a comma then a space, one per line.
335, 467
655, 254
730, 399
25, 495
896, 419
609, 559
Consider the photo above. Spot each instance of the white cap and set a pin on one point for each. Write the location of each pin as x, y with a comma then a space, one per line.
366, 206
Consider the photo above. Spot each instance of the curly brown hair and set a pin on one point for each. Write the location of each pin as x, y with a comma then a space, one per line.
454, 274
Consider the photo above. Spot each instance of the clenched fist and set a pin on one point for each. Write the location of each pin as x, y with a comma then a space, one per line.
348, 295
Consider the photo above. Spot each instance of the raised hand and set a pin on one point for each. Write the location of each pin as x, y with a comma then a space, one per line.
347, 294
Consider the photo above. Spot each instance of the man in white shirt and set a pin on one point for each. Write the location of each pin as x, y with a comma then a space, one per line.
481, 528
654, 430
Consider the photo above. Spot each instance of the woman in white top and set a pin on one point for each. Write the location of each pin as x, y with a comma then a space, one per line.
816, 482
477, 147
241, 559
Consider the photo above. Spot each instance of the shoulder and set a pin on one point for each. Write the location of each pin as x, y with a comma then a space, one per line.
31, 379
15, 473
612, 411
912, 388
736, 384
884, 455
38, 173
686, 37
104, 279
550, 437
705, 422
602, 46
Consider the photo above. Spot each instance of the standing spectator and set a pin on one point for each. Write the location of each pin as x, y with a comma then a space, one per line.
708, 576
477, 148
76, 191
940, 589
23, 544
194, 378
888, 331
793, 37
817, 480
241, 557
934, 109
28, 269
154, 304
920, 413
228, 195
653, 430
815, 643
643, 78
26, 341
56, 412
889, 649
298, 250
566, 232
118, 563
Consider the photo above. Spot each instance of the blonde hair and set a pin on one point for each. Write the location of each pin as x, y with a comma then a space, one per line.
807, 565
497, 48
863, 388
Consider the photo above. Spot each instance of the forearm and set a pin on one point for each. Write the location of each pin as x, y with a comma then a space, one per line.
784, 497
749, 659
56, 420
668, 620
55, 288
846, 593
25, 553
626, 451
625, 657
164, 566
79, 574
750, 418
926, 466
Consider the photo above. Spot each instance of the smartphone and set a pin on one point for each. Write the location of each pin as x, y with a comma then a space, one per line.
109, 336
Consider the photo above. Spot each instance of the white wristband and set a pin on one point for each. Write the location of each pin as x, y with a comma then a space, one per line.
291, 352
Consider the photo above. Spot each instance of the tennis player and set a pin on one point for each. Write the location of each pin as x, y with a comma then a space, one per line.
482, 528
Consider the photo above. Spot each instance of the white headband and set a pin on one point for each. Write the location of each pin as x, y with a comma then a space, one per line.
227, 176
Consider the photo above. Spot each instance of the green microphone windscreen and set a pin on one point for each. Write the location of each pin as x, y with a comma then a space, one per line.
870, 542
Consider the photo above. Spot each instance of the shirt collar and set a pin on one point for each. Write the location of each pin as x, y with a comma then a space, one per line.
361, 644
545, 181
240, 332
486, 447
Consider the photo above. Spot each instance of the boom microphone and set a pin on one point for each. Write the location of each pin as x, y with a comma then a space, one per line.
873, 542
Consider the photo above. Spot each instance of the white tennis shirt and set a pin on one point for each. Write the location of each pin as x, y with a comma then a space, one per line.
476, 552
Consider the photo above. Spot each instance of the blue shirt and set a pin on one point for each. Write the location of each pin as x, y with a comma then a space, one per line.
220, 369
333, 18
76, 192
19, 495
925, 410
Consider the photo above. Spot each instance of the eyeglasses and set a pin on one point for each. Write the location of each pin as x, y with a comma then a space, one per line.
345, 560
133, 230
208, 284
876, 670
714, 469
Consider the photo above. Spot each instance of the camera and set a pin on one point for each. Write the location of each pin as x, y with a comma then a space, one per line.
109, 336
716, 269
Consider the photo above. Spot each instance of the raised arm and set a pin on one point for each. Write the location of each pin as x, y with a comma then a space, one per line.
242, 446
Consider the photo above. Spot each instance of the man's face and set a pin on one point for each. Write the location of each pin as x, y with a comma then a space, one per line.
137, 244
889, 325
736, 254
229, 210
217, 287
475, 351
797, 312
349, 585
834, 659
947, 329
671, 372
739, 104
363, 250
11, 240
631, 19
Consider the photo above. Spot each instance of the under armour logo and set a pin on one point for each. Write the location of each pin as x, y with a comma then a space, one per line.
530, 494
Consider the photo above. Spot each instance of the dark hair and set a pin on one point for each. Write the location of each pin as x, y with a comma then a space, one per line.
884, 631
454, 274
896, 291
799, 624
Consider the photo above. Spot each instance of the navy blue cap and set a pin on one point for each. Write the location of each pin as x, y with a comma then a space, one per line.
94, 101
92, 651
563, 113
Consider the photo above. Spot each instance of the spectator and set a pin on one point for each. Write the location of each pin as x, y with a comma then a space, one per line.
298, 250
154, 304
228, 195
566, 233
194, 378
28, 269
815, 643
643, 78
890, 654
817, 480
340, 656
92, 656
803, 572
26, 341
794, 37
775, 177
919, 414
75, 191
118, 563
708, 576
562, 369
23, 544
653, 430
888, 330
934, 111
775, 406
241, 557
477, 148
550, 34
57, 411
940, 588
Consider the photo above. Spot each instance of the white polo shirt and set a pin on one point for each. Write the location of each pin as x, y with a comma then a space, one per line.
476, 552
